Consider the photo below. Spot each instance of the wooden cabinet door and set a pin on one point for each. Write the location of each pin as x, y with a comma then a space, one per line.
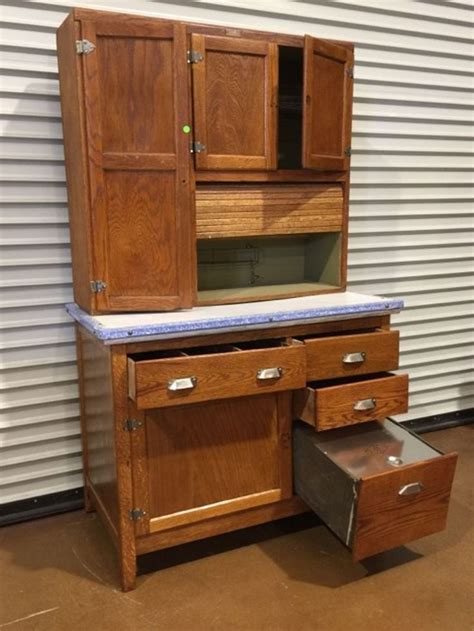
327, 105
136, 103
234, 102
191, 463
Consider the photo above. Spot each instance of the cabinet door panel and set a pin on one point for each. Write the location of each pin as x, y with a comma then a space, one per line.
327, 105
136, 101
234, 93
214, 458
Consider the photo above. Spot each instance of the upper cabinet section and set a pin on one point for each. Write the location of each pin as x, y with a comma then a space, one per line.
234, 101
327, 105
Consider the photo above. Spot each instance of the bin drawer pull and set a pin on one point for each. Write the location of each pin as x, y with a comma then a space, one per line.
365, 404
269, 373
183, 383
353, 358
411, 489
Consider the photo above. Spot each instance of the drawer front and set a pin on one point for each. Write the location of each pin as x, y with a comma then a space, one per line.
349, 403
397, 507
376, 485
347, 355
180, 380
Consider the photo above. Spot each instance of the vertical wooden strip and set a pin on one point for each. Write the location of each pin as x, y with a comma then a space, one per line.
199, 99
271, 118
124, 468
307, 129
85, 460
348, 92
140, 470
185, 210
284, 412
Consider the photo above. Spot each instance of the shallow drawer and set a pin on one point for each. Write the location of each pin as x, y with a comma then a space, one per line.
327, 405
218, 372
376, 485
346, 355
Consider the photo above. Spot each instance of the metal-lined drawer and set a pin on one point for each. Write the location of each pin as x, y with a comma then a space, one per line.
346, 355
377, 486
218, 372
327, 405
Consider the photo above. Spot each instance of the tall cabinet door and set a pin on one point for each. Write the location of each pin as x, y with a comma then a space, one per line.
234, 102
136, 104
327, 105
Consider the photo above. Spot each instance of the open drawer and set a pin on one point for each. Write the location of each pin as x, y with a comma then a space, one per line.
377, 486
330, 357
218, 372
347, 401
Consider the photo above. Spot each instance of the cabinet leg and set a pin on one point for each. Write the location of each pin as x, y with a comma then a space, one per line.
128, 569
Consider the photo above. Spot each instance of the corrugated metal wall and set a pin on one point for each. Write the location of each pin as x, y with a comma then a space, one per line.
411, 205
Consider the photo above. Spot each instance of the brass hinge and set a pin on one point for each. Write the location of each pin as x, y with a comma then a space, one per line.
193, 57
131, 425
136, 513
98, 286
197, 147
350, 72
84, 47
348, 152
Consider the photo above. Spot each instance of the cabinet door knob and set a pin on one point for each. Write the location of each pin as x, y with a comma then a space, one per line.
183, 383
365, 404
411, 489
353, 358
269, 373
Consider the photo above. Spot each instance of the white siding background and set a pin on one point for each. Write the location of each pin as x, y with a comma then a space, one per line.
411, 205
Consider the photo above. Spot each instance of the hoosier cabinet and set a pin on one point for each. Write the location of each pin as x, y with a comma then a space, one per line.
226, 377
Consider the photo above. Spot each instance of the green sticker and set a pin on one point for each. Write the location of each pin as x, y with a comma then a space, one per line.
186, 129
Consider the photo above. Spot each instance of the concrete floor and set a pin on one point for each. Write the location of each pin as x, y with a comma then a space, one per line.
59, 573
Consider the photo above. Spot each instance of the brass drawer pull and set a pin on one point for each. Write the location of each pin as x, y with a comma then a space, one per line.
269, 373
365, 404
183, 383
353, 358
411, 489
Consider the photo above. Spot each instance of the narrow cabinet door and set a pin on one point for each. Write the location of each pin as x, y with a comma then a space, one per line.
136, 105
234, 102
327, 105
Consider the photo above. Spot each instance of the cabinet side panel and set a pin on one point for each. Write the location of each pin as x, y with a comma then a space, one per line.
98, 424
75, 153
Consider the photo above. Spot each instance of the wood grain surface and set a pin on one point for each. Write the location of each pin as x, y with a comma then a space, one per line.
218, 376
329, 406
324, 355
234, 90
242, 210
217, 457
386, 519
327, 104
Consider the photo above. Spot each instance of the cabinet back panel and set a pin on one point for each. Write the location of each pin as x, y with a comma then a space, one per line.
266, 209
212, 452
140, 210
137, 96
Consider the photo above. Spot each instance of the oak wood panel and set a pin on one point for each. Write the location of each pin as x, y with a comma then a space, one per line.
327, 104
280, 175
242, 210
219, 375
324, 355
74, 133
97, 504
365, 324
205, 456
234, 89
328, 406
257, 293
386, 519
219, 525
139, 164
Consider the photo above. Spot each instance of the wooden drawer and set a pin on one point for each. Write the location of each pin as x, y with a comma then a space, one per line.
377, 486
346, 355
219, 372
327, 405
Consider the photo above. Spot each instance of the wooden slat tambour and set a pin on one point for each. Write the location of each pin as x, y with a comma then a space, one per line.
262, 210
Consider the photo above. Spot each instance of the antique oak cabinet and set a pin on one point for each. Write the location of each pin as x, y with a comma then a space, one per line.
208, 167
